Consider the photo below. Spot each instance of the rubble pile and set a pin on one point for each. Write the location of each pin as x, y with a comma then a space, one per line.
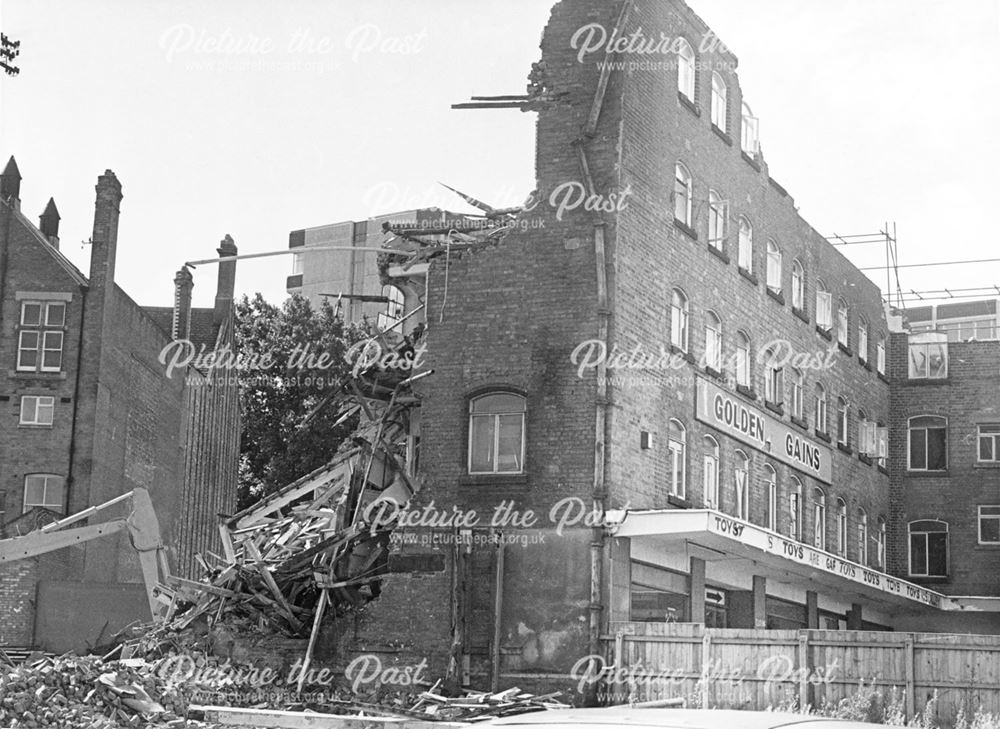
478, 706
89, 693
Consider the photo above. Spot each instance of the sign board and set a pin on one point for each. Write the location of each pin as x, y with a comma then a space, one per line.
730, 414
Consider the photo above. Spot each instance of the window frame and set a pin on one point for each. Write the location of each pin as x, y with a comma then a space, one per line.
44, 330
59, 507
824, 306
771, 481
718, 220
880, 541
38, 406
774, 268
495, 453
687, 80
911, 533
744, 249
862, 536
742, 490
711, 493
880, 355
843, 532
819, 518
680, 319
798, 394
387, 319
720, 102
988, 517
749, 132
843, 323
990, 437
795, 508
798, 285
863, 343
713, 335
683, 191
677, 447
909, 443
820, 405
932, 341
744, 359
843, 422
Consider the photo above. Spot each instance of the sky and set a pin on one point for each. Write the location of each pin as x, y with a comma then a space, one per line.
256, 118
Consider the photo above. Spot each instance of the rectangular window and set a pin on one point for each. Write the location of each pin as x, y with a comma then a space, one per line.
882, 446
928, 444
928, 356
44, 490
677, 487
37, 410
40, 337
989, 524
929, 553
989, 440
496, 434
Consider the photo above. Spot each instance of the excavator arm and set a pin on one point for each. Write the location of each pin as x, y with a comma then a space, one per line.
144, 534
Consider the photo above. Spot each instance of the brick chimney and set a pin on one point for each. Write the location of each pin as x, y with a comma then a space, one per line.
227, 279
49, 223
10, 184
183, 284
104, 243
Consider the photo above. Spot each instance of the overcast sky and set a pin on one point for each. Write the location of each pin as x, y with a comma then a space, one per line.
316, 112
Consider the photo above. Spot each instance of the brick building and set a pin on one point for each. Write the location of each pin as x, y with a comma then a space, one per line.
735, 439
945, 486
92, 413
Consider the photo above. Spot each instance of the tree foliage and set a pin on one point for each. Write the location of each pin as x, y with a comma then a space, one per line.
296, 357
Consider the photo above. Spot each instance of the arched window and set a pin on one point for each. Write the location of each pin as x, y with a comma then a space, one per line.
685, 69
795, 509
496, 433
710, 461
880, 355
842, 421
842, 324
774, 382
45, 490
713, 341
798, 395
866, 435
819, 518
798, 286
682, 194
824, 306
863, 339
745, 253
720, 102
928, 548
741, 484
863, 537
928, 443
773, 266
394, 308
677, 444
749, 136
880, 543
679, 320
718, 213
841, 527
819, 414
771, 487
743, 359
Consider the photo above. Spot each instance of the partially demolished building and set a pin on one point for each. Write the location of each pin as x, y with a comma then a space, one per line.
655, 392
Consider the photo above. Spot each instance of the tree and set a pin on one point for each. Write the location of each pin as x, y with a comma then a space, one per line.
295, 356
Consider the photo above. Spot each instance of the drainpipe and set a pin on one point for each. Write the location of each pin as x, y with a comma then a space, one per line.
602, 398
76, 399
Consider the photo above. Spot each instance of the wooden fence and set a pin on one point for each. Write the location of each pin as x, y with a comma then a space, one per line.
757, 669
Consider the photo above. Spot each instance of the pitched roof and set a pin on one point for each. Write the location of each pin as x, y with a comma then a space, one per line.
72, 270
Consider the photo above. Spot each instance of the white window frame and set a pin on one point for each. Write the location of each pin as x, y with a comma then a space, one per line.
718, 218
744, 253
713, 341
52, 480
771, 480
795, 509
862, 535
744, 376
988, 437
798, 394
395, 308
33, 409
863, 339
741, 485
773, 266
686, 78
819, 518
679, 319
993, 515
496, 433
820, 403
49, 335
677, 445
880, 542
843, 324
842, 530
824, 307
683, 190
927, 356
909, 443
843, 422
798, 285
880, 356
720, 102
710, 473
774, 383
749, 132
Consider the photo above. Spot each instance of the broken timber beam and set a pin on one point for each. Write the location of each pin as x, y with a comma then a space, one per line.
303, 720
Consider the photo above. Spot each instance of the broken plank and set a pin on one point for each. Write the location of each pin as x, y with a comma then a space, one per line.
303, 720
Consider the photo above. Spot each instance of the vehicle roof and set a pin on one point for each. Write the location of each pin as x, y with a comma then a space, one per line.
667, 718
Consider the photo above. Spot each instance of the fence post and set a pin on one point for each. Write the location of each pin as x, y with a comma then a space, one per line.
804, 670
706, 666
911, 699
616, 685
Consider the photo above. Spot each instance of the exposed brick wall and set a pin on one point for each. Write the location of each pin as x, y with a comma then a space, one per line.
970, 395
17, 596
